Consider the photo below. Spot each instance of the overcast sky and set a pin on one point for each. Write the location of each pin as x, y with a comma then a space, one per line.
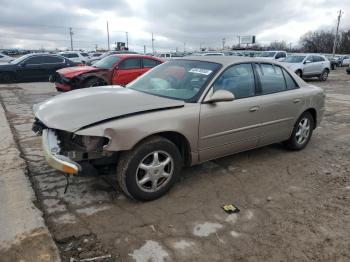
39, 23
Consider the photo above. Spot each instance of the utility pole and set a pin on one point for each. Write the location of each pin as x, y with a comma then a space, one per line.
144, 49
71, 38
290, 47
184, 47
108, 37
336, 34
223, 43
127, 39
152, 44
239, 41
200, 47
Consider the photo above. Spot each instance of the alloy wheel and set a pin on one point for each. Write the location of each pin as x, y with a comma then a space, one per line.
303, 131
154, 171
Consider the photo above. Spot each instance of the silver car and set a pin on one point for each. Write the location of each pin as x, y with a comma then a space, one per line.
181, 113
309, 65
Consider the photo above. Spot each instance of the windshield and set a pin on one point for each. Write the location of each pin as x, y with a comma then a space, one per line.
267, 54
294, 59
107, 62
178, 79
20, 59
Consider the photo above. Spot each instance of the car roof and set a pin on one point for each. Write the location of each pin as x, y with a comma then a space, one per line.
227, 60
135, 55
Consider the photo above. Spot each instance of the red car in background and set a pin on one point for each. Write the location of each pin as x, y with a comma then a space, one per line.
118, 69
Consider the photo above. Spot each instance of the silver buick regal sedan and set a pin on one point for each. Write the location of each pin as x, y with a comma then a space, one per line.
181, 113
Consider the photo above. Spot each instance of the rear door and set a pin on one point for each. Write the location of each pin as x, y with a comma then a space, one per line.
52, 64
128, 70
280, 103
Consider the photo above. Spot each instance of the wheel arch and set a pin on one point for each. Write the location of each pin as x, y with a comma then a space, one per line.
313, 113
89, 77
179, 140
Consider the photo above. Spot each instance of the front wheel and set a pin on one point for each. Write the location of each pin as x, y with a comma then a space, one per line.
324, 75
301, 133
92, 82
149, 170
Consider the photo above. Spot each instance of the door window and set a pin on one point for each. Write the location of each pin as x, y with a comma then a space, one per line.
238, 79
280, 55
310, 58
70, 55
52, 60
130, 63
271, 78
35, 60
149, 63
290, 82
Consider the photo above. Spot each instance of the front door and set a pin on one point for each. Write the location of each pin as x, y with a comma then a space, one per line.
127, 71
229, 127
32, 69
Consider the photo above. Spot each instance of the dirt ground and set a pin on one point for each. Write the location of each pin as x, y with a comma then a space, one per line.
294, 205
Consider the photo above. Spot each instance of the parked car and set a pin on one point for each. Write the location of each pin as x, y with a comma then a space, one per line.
273, 55
32, 67
168, 56
183, 112
76, 56
346, 60
111, 70
309, 65
332, 60
94, 59
348, 69
5, 58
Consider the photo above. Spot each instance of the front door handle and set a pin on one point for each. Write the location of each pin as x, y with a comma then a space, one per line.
297, 100
254, 109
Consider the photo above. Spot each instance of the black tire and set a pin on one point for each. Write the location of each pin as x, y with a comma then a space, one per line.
299, 73
324, 75
130, 174
7, 78
294, 143
92, 82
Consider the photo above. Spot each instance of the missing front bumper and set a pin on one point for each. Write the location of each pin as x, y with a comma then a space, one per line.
51, 149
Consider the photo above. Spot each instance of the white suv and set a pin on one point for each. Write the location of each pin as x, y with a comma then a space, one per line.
273, 55
309, 65
76, 56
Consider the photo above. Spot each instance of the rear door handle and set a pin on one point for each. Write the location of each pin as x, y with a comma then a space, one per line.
254, 109
297, 100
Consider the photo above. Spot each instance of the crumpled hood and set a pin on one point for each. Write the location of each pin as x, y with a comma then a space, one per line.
70, 72
76, 109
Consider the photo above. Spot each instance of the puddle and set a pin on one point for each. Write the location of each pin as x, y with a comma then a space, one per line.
151, 251
205, 229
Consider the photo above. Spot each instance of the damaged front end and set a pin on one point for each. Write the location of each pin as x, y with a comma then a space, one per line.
68, 152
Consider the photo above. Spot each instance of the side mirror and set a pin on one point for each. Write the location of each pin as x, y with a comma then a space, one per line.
221, 96
307, 62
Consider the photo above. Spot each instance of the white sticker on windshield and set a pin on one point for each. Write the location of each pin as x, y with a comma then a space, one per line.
200, 71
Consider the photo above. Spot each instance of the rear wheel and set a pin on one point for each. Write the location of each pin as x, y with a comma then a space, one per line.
150, 169
324, 75
301, 133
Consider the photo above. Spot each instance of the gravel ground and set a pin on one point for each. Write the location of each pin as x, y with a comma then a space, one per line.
294, 205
